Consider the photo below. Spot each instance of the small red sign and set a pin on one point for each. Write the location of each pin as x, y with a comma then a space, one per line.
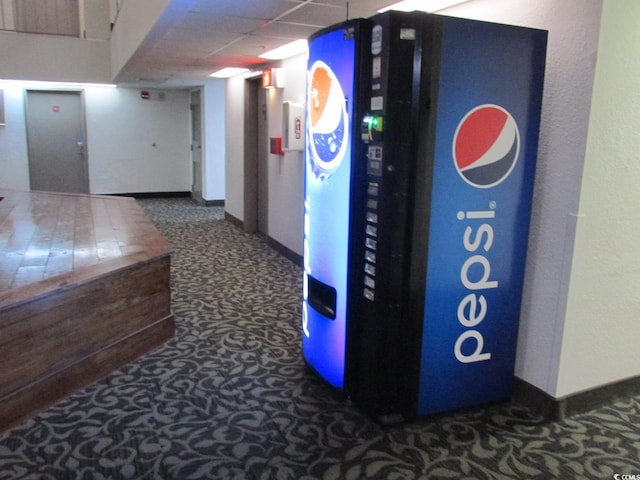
298, 128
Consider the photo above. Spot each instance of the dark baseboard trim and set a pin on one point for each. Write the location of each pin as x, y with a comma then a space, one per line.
285, 251
151, 194
212, 203
555, 409
277, 246
233, 220
535, 399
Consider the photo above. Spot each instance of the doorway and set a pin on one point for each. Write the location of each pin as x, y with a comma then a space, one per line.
256, 181
56, 141
196, 144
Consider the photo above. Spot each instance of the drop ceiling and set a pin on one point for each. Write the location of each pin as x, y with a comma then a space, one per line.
194, 38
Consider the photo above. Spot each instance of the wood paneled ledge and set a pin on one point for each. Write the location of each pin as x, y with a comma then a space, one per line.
84, 289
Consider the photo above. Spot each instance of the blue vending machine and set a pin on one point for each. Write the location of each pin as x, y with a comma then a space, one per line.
336, 94
420, 161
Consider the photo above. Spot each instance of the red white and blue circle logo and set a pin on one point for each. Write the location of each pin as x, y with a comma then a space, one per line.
486, 146
328, 121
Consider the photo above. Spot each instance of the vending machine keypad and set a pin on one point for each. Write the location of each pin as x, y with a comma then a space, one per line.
371, 242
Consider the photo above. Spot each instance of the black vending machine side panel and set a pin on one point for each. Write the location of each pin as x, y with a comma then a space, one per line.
384, 330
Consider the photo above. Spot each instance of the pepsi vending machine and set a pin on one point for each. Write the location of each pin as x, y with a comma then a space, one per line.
420, 160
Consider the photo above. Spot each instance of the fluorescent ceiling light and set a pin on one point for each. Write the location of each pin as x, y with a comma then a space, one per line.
422, 5
229, 72
285, 51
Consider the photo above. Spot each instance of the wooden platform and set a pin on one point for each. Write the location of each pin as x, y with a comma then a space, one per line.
84, 289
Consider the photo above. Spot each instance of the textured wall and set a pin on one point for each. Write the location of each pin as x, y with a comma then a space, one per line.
138, 145
213, 141
234, 151
600, 344
286, 173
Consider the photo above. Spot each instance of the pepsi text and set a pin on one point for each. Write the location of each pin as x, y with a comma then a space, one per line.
473, 307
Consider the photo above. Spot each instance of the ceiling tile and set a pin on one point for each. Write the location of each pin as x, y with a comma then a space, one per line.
362, 5
312, 14
211, 21
196, 37
287, 30
183, 37
264, 9
251, 46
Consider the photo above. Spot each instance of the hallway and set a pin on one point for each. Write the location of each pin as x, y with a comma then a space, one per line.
230, 397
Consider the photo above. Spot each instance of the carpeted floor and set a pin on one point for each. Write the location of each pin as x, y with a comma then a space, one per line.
231, 398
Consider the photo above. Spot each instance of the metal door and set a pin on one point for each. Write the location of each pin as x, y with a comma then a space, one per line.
56, 141
262, 184
196, 145
256, 194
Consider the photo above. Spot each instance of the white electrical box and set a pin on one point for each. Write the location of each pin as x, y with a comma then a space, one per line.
293, 126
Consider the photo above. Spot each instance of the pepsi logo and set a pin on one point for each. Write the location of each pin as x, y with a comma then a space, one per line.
327, 118
486, 146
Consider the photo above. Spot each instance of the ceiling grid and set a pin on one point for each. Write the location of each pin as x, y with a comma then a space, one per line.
190, 43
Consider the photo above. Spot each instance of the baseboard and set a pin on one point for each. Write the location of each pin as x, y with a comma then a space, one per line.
142, 195
151, 194
285, 251
233, 220
212, 203
277, 246
554, 409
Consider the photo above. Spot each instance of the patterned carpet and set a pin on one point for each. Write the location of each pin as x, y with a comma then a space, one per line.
231, 398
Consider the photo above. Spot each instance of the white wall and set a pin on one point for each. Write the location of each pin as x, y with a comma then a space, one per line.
95, 20
286, 173
600, 344
137, 145
135, 21
121, 132
53, 58
573, 27
234, 153
59, 58
14, 169
214, 145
